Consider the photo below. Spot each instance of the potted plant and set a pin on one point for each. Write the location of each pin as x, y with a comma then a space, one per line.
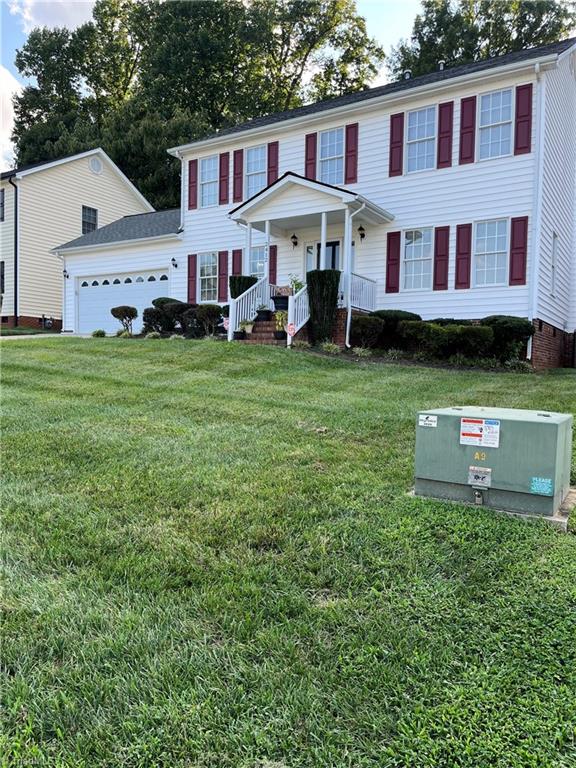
280, 319
284, 291
247, 326
239, 335
263, 312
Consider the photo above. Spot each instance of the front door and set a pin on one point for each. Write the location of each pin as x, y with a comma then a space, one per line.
332, 256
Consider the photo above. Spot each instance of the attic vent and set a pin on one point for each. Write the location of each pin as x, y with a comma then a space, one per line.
441, 65
96, 165
407, 74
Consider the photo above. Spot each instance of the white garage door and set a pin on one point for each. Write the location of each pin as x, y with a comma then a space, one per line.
98, 294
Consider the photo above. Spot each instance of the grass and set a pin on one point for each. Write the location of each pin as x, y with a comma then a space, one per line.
21, 330
212, 560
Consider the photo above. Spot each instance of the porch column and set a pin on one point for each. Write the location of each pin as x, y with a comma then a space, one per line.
323, 240
347, 256
247, 249
267, 231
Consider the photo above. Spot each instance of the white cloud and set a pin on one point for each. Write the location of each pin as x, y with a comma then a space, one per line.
8, 87
51, 13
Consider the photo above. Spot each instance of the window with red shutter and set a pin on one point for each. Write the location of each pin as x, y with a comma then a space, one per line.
224, 178
310, 156
518, 250
238, 178
523, 120
192, 258
393, 262
351, 158
441, 258
445, 132
273, 264
395, 160
463, 255
273, 161
467, 130
237, 261
222, 275
192, 184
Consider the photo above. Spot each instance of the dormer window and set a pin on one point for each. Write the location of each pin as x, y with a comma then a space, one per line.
495, 124
331, 164
421, 139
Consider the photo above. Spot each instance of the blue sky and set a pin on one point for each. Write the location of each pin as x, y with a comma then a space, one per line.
387, 21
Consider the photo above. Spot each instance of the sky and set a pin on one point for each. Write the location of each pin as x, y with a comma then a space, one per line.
387, 21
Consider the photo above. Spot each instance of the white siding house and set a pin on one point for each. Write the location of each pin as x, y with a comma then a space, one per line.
450, 195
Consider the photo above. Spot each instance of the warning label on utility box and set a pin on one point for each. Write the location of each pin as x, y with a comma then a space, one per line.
482, 432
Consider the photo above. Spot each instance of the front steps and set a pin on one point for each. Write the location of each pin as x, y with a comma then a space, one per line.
263, 333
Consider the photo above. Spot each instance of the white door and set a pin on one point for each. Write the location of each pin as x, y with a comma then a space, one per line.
97, 294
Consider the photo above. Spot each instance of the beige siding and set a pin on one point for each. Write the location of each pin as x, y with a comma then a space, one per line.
50, 207
7, 248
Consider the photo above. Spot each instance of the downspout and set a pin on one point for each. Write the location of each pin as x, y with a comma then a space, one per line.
349, 281
537, 208
15, 268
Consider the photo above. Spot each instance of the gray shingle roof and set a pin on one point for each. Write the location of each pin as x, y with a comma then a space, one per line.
135, 227
396, 87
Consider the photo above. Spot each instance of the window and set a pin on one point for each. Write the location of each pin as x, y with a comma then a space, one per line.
418, 259
89, 219
255, 170
331, 169
208, 276
209, 181
421, 139
491, 252
105, 282
151, 279
2, 277
163, 277
116, 282
95, 283
128, 280
495, 124
2, 205
258, 261
553, 263
139, 279
84, 284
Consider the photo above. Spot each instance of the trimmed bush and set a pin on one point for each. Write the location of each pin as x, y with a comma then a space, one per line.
98, 334
323, 301
126, 315
449, 321
208, 315
193, 328
365, 330
240, 283
153, 320
511, 335
468, 340
391, 318
160, 302
153, 335
175, 313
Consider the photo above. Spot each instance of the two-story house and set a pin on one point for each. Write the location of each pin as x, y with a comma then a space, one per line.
43, 205
451, 195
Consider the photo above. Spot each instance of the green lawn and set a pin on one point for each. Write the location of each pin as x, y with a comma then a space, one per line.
212, 560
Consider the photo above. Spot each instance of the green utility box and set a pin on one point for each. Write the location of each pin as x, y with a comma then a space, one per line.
503, 458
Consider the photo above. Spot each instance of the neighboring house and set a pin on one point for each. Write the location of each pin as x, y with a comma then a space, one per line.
43, 205
451, 194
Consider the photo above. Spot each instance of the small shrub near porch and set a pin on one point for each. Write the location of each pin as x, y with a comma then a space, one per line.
323, 302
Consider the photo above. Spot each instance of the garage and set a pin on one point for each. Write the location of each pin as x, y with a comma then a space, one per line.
97, 294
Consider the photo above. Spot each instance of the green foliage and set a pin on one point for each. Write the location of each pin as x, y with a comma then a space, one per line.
461, 31
330, 348
391, 318
418, 335
323, 301
153, 335
510, 335
361, 352
162, 301
98, 334
208, 315
178, 312
124, 334
366, 330
301, 344
280, 320
126, 315
445, 341
239, 284
449, 321
154, 319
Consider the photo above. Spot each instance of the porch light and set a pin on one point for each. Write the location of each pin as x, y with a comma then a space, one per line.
294, 240
361, 232
65, 273
174, 263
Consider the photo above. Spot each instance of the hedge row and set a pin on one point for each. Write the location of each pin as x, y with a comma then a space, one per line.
170, 315
500, 336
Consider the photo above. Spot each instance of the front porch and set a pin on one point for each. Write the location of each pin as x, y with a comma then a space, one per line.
298, 225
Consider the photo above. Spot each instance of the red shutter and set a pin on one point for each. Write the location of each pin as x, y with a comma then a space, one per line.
445, 129
393, 262
310, 161
518, 250
192, 184
222, 275
237, 261
467, 129
238, 181
523, 127
192, 278
224, 178
396, 144
351, 162
463, 255
441, 257
272, 162
273, 264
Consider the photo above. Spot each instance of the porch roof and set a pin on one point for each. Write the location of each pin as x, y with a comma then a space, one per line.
267, 205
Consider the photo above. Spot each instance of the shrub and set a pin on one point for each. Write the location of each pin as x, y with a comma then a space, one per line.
126, 315
124, 334
361, 352
153, 320
208, 315
193, 328
391, 318
160, 302
175, 312
330, 348
519, 366
175, 336
301, 344
467, 340
323, 301
419, 335
99, 333
449, 321
153, 335
240, 283
365, 330
510, 335
393, 354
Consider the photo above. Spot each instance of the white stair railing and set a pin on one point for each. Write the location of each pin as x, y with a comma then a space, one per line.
298, 311
245, 306
362, 292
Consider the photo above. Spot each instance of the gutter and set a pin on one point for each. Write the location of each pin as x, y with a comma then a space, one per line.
349, 282
368, 104
115, 243
15, 268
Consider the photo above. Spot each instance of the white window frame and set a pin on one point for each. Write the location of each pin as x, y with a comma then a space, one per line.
473, 282
554, 263
87, 211
320, 160
403, 259
199, 278
205, 182
479, 128
407, 142
265, 260
247, 173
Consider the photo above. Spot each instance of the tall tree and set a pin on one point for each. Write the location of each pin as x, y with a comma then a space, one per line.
460, 31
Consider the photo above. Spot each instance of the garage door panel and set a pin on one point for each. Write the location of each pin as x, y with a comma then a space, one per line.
97, 294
